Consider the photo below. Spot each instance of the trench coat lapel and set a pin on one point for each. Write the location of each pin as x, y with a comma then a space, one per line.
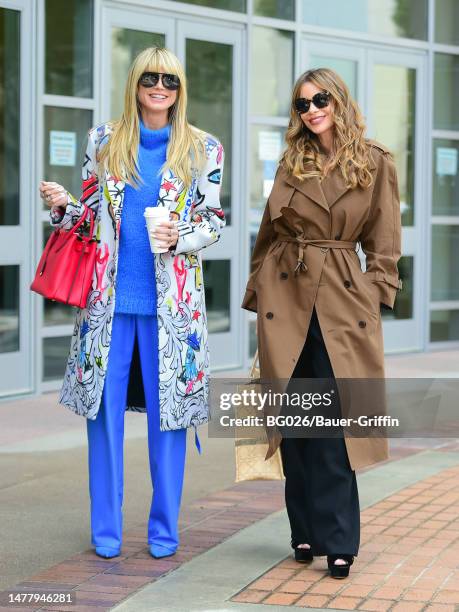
311, 188
326, 192
284, 188
334, 186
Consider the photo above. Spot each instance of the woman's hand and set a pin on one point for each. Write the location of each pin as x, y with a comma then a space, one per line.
166, 234
53, 194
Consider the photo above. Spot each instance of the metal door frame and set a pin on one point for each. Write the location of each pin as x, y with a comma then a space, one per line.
16, 241
412, 331
225, 347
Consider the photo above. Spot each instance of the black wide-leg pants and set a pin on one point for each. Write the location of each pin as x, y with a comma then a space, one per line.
320, 488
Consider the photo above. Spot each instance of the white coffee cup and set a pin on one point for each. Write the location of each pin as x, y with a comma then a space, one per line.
154, 215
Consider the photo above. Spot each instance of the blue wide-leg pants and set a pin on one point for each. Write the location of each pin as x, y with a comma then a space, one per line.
167, 449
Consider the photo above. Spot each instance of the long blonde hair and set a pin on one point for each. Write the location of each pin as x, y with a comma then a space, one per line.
352, 154
186, 149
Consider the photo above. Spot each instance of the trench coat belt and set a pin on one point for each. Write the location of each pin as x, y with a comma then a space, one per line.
303, 243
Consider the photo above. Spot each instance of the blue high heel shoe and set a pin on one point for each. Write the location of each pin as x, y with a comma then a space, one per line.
158, 552
107, 553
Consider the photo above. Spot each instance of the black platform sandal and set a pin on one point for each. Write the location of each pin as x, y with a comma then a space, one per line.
339, 571
303, 555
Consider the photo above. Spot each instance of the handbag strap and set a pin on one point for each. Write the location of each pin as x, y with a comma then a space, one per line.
78, 224
82, 219
254, 365
51, 240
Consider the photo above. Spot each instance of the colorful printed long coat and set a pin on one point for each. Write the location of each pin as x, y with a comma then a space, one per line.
182, 322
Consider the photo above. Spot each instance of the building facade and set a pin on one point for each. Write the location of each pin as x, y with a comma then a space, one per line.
62, 70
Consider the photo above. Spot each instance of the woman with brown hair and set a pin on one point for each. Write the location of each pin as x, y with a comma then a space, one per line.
318, 313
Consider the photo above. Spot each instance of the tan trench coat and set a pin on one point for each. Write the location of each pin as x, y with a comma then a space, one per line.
328, 274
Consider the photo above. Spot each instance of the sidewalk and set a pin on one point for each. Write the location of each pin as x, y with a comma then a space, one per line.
394, 570
235, 552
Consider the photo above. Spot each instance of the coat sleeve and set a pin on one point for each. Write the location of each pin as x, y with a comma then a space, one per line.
66, 218
264, 238
381, 235
206, 216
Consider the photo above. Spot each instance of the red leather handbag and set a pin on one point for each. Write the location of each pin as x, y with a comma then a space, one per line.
66, 267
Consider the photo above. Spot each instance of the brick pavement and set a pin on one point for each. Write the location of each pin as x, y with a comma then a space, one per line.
101, 584
408, 560
380, 576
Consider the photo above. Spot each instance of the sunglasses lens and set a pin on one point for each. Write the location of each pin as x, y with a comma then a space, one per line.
171, 81
302, 105
149, 79
321, 100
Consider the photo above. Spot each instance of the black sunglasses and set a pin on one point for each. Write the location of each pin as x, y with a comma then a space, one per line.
321, 100
150, 79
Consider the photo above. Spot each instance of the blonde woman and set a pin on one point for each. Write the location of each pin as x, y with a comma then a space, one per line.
318, 312
141, 342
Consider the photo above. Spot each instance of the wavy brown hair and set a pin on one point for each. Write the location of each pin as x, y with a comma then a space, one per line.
351, 152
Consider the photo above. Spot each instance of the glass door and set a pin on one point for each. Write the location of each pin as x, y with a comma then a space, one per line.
126, 33
348, 61
396, 114
388, 85
212, 56
16, 218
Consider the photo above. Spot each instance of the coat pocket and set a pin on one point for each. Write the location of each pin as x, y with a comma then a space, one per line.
371, 293
267, 263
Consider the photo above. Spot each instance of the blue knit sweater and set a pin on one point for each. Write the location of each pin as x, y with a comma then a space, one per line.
135, 281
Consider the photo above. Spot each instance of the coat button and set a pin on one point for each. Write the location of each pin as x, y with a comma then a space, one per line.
347, 284
284, 275
362, 324
338, 237
269, 315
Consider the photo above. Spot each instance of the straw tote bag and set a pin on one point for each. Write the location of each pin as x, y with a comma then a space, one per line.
251, 452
